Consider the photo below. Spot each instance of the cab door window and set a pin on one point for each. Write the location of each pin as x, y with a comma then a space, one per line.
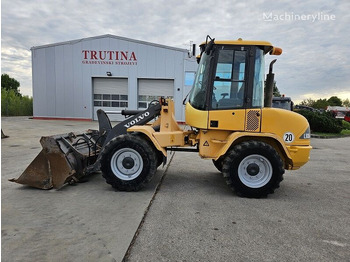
229, 80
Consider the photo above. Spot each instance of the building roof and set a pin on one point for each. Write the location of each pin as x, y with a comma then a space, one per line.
109, 36
338, 108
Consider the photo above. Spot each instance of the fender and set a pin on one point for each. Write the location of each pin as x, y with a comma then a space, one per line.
237, 137
148, 131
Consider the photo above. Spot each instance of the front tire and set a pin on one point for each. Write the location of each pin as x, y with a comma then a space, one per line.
128, 162
253, 169
219, 163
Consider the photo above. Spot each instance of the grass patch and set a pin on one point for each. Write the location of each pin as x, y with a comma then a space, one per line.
343, 133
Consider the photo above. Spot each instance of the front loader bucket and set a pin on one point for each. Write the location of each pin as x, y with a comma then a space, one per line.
36, 174
63, 159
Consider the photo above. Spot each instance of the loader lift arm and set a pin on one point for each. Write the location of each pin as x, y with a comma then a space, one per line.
137, 118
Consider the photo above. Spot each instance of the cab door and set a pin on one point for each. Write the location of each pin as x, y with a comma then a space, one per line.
229, 91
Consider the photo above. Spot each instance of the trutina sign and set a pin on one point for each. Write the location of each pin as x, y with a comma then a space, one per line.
94, 57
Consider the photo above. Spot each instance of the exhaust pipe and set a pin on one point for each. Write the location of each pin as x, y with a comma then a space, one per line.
269, 85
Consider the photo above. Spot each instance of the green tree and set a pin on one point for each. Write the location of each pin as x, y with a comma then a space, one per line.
346, 102
322, 122
15, 105
276, 92
10, 83
308, 102
320, 104
334, 101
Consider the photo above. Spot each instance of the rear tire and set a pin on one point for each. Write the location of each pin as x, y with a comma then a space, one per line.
253, 169
128, 162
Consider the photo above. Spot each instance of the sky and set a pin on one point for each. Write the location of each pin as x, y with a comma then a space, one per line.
314, 34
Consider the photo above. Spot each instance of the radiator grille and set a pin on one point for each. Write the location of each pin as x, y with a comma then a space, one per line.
252, 120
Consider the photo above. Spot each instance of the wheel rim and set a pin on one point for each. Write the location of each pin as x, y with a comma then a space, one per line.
255, 171
126, 164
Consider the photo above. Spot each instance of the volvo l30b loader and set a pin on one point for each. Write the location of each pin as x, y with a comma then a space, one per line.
231, 123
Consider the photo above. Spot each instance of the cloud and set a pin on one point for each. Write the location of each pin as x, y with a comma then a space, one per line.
314, 62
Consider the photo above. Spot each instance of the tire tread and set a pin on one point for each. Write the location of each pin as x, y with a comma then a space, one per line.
244, 148
138, 143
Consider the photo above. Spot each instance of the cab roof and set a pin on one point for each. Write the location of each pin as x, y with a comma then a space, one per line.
242, 42
267, 45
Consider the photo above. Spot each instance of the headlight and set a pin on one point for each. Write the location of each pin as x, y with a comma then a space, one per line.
306, 135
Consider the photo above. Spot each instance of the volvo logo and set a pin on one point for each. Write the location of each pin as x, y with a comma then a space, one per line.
136, 120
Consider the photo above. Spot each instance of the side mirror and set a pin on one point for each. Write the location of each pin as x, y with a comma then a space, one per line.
209, 46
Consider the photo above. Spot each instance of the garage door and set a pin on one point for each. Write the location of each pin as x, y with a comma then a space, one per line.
110, 94
152, 89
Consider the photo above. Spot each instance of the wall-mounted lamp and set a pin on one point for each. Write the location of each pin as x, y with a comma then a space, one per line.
109, 73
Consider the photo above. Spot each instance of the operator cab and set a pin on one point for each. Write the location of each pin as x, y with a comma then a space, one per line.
230, 78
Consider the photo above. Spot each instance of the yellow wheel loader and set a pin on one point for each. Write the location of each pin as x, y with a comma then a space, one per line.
230, 120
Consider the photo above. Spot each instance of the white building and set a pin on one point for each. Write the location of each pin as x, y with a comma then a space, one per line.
71, 80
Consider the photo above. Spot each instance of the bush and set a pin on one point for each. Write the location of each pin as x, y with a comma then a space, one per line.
346, 125
322, 122
13, 104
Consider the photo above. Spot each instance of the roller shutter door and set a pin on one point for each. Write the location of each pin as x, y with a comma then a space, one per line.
110, 94
152, 89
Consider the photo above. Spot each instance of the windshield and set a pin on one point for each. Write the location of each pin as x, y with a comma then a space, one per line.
198, 93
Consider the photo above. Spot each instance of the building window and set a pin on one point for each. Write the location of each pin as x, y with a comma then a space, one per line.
110, 100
